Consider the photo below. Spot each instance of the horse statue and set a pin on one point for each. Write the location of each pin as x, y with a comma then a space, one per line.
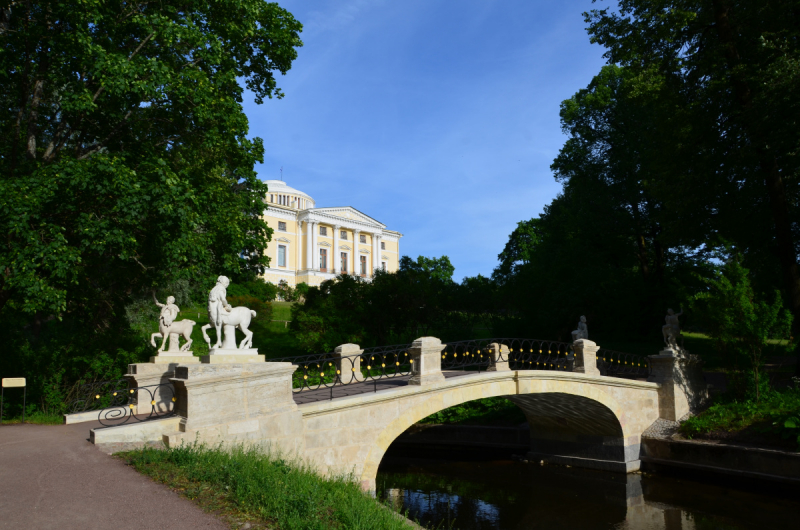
230, 319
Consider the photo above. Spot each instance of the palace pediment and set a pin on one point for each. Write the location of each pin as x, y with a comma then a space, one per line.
346, 213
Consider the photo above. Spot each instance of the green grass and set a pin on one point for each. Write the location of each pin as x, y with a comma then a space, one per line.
37, 417
766, 422
264, 490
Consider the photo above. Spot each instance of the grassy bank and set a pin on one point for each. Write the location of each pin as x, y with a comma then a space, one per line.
771, 422
265, 491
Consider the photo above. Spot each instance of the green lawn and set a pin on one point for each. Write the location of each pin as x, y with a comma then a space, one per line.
245, 486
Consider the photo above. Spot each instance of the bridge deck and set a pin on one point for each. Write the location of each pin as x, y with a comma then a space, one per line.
367, 387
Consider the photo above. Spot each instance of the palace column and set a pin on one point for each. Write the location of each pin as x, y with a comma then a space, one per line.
356, 261
309, 260
378, 252
335, 264
314, 243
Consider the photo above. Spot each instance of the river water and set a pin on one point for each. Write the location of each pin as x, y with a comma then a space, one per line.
512, 495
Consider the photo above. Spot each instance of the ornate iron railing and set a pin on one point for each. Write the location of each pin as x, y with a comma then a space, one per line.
618, 364
131, 404
327, 370
520, 354
98, 395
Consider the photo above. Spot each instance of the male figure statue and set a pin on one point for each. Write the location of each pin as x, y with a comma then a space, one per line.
582, 332
169, 311
217, 303
672, 329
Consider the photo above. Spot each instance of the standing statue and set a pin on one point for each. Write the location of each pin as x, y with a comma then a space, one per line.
168, 327
672, 329
222, 316
582, 332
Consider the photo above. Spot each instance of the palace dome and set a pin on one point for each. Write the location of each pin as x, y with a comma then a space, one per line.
280, 193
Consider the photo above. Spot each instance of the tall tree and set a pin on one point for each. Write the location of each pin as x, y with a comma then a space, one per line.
736, 64
125, 158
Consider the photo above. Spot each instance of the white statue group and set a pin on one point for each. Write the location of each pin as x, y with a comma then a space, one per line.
222, 317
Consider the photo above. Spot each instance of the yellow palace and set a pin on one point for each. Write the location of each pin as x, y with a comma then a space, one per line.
311, 244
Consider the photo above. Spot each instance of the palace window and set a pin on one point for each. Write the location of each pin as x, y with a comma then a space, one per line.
383, 265
282, 226
362, 239
363, 265
323, 260
383, 245
343, 235
281, 255
323, 230
343, 268
271, 198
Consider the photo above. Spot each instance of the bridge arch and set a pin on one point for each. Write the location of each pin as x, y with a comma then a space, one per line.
534, 392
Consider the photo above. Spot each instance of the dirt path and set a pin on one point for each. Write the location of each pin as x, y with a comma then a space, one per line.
52, 477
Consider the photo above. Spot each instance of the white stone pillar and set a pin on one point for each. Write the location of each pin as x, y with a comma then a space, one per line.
314, 243
335, 264
356, 253
426, 354
586, 357
308, 245
375, 252
498, 358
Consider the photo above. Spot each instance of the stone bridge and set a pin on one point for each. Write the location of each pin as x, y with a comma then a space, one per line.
579, 417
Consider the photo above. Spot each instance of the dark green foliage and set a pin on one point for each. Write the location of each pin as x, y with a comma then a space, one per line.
741, 325
286, 494
126, 168
729, 76
487, 411
257, 288
419, 299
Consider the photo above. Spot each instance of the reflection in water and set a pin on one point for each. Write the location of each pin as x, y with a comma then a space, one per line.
513, 495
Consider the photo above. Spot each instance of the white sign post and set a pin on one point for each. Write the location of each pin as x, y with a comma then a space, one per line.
13, 382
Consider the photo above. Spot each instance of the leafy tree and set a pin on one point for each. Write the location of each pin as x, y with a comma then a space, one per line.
126, 159
125, 165
734, 66
437, 268
741, 325
518, 250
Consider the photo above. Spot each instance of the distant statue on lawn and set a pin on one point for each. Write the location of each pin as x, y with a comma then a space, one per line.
224, 317
582, 332
168, 327
672, 329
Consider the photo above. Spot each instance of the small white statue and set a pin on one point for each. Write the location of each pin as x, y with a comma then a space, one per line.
168, 327
672, 329
582, 332
222, 316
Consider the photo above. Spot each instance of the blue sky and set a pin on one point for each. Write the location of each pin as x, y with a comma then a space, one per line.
439, 118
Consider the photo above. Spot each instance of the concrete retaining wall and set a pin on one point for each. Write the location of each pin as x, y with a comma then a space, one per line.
722, 459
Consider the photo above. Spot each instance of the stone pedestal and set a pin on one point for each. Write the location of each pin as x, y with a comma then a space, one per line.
586, 357
498, 358
237, 403
348, 363
149, 375
426, 356
232, 355
180, 357
683, 388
